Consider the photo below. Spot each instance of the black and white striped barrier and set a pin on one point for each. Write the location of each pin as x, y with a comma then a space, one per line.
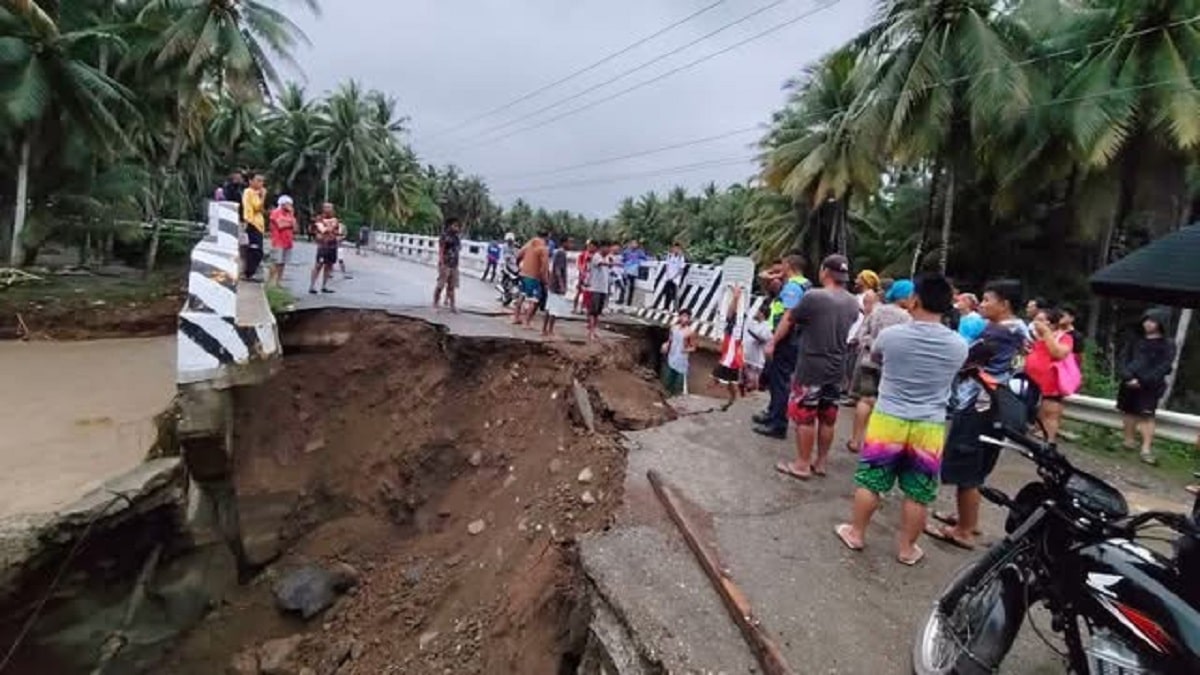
213, 341
703, 292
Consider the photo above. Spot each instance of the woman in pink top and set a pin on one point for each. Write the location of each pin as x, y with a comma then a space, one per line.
1051, 344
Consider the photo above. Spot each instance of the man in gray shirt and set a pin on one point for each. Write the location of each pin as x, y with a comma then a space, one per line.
821, 323
907, 430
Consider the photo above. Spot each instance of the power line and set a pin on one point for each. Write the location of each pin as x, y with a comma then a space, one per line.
691, 64
581, 71
630, 71
632, 155
933, 85
711, 163
714, 163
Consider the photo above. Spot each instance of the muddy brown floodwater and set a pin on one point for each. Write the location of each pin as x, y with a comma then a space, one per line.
452, 474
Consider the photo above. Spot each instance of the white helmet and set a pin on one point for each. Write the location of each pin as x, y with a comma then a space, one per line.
510, 237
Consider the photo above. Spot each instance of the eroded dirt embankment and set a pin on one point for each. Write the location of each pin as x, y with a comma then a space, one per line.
452, 474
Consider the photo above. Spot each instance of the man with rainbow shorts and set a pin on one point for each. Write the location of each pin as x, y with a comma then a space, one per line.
904, 438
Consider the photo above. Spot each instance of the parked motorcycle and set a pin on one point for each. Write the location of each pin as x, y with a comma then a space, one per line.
1119, 607
510, 282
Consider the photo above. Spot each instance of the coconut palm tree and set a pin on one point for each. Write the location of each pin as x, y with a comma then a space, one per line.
232, 41
229, 45
821, 149
946, 75
1134, 104
48, 80
346, 137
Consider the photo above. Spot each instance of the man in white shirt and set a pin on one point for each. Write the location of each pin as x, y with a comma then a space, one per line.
676, 264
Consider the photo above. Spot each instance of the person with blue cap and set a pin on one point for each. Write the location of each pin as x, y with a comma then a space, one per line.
865, 383
970, 323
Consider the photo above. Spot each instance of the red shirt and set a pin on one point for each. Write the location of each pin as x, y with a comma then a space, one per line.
283, 228
1039, 365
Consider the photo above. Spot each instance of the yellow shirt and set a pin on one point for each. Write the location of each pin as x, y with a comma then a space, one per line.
252, 209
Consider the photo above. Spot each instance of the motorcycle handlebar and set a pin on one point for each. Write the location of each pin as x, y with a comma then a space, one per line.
1176, 521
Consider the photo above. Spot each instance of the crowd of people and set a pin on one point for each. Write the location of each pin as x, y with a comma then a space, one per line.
913, 357
606, 272
271, 235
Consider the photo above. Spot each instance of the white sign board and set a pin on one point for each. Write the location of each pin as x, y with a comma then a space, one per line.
739, 271
700, 276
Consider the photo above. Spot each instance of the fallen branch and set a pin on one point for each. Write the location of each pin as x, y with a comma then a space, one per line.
764, 648
116, 640
11, 276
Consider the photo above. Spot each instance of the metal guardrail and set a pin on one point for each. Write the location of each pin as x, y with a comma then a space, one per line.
1169, 425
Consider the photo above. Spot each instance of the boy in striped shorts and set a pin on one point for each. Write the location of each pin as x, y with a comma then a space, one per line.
904, 438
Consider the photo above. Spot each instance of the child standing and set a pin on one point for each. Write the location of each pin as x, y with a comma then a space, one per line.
729, 368
758, 334
681, 342
600, 267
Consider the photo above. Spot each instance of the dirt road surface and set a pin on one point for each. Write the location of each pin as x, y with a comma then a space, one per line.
75, 414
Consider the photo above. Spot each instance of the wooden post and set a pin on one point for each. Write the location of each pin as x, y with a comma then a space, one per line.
1181, 331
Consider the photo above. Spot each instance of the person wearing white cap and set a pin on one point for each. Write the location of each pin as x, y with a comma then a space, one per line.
283, 234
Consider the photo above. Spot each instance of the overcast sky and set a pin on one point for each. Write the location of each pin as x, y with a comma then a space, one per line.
448, 61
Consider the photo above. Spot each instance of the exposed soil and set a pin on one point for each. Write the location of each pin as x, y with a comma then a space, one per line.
393, 449
91, 307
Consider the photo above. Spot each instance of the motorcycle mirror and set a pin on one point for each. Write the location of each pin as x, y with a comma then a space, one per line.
1005, 443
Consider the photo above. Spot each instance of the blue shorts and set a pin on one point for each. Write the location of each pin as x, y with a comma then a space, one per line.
531, 288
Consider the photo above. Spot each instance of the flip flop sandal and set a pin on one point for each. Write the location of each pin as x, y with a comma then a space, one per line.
951, 520
842, 531
850, 447
819, 473
1147, 458
913, 561
942, 535
787, 470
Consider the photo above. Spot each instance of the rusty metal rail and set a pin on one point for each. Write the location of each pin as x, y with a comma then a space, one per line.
765, 650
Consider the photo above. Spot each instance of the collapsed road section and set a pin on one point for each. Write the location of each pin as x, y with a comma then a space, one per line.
427, 489
406, 500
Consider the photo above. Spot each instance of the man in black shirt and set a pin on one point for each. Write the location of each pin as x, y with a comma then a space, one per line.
233, 188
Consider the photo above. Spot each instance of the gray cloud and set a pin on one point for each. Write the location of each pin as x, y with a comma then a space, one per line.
447, 61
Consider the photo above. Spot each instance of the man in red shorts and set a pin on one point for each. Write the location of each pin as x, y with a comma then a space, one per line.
822, 320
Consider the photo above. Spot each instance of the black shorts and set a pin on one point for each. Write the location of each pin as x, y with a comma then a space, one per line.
967, 461
596, 302
1138, 401
327, 255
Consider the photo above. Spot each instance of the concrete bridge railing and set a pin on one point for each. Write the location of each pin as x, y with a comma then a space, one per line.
227, 337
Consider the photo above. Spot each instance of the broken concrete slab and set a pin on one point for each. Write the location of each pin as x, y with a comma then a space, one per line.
123, 491
583, 405
29, 540
650, 580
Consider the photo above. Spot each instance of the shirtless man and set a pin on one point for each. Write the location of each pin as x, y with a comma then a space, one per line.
327, 228
534, 263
